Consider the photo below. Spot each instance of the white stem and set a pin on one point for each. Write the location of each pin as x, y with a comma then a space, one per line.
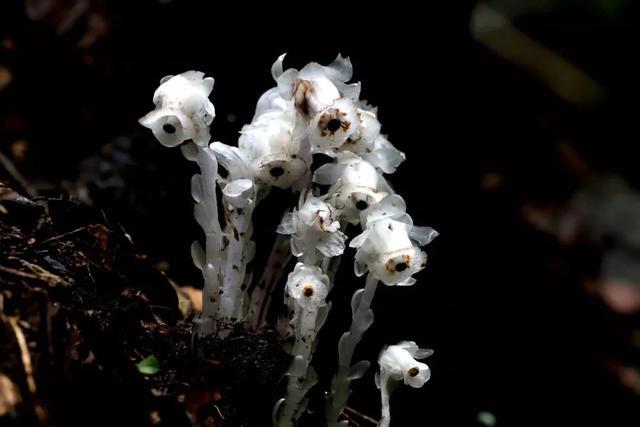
298, 383
384, 398
237, 254
206, 214
361, 321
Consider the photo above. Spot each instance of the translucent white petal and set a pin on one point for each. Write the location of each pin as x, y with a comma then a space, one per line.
287, 225
422, 235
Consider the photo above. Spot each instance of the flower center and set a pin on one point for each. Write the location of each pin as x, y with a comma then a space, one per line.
308, 291
169, 128
413, 372
334, 125
276, 172
401, 266
361, 205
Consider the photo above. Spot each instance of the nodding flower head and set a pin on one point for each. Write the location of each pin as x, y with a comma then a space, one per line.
354, 185
388, 246
400, 362
183, 110
334, 125
308, 286
315, 87
274, 146
371, 145
313, 226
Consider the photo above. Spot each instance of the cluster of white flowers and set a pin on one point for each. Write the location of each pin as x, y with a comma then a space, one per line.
309, 111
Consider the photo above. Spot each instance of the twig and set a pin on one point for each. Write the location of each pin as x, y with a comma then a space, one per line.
60, 236
16, 175
361, 415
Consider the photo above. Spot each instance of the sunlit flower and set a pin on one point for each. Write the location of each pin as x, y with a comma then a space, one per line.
354, 185
273, 143
315, 87
388, 246
313, 226
183, 110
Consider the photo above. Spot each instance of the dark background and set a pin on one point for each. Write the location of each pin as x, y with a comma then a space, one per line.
502, 303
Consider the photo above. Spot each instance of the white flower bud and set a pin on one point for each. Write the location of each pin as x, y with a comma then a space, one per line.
183, 110
274, 147
313, 226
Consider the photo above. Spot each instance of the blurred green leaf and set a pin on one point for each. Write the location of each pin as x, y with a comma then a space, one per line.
149, 365
612, 8
486, 418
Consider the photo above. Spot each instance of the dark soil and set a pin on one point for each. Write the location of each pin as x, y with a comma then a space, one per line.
90, 307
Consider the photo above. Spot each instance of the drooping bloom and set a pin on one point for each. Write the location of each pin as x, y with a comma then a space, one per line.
389, 244
400, 363
183, 110
274, 145
354, 185
313, 226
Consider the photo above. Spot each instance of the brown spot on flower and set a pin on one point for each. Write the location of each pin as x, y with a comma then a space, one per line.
413, 372
392, 266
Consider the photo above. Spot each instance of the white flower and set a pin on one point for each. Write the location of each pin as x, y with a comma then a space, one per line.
334, 125
271, 101
354, 185
315, 87
313, 226
183, 110
371, 145
308, 287
387, 246
274, 146
400, 362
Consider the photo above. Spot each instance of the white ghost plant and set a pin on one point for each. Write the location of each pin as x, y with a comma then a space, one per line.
306, 290
398, 364
183, 110
311, 111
